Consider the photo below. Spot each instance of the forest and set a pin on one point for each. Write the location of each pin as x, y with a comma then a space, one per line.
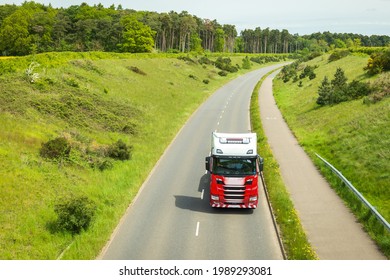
36, 28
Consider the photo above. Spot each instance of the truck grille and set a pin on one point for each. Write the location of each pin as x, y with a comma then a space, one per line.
234, 194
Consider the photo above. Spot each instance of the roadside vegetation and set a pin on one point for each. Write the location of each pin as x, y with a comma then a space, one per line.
342, 113
81, 132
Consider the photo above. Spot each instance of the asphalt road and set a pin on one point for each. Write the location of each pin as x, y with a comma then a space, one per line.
331, 228
171, 219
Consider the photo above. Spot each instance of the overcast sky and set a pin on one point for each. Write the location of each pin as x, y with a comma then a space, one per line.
367, 17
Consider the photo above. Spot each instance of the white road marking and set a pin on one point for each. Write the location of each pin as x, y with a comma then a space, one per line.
201, 196
197, 229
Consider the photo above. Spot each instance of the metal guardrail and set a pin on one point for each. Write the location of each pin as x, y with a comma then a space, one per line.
357, 193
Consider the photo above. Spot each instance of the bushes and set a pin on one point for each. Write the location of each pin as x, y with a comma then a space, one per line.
308, 71
380, 89
75, 214
136, 70
338, 90
291, 72
338, 54
86, 153
378, 62
224, 64
262, 59
58, 148
120, 151
246, 63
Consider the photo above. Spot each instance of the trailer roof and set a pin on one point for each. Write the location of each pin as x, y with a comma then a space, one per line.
234, 144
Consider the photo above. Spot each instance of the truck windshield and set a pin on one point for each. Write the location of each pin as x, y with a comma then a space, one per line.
234, 166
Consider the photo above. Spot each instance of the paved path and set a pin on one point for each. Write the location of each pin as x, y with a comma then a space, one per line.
332, 229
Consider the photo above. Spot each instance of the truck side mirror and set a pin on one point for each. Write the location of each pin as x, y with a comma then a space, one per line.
207, 159
261, 164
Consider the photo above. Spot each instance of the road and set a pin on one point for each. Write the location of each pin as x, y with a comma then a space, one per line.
170, 219
331, 228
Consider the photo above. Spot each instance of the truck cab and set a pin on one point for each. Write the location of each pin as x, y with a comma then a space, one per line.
234, 168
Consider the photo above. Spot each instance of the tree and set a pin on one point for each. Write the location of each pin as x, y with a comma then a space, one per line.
61, 27
339, 80
186, 26
230, 36
324, 92
15, 38
285, 37
136, 36
339, 44
219, 40
196, 43
378, 62
246, 63
265, 37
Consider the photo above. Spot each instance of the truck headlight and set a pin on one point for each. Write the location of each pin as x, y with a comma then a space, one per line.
253, 198
214, 197
249, 182
219, 181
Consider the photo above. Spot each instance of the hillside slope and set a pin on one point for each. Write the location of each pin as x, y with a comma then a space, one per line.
97, 102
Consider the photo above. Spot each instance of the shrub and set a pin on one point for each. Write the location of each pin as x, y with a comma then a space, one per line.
101, 164
222, 73
289, 71
356, 89
137, 70
130, 129
72, 82
57, 148
336, 55
186, 59
206, 81
308, 71
205, 60
224, 64
246, 63
378, 62
120, 151
75, 214
193, 77
379, 89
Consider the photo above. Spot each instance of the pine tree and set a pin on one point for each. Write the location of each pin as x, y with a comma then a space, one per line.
324, 92
339, 80
339, 85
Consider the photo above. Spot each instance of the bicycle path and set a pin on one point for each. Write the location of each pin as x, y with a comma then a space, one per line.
332, 229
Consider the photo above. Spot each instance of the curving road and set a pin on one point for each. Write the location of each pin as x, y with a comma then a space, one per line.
170, 219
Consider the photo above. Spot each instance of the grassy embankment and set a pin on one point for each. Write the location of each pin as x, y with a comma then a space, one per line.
93, 100
353, 136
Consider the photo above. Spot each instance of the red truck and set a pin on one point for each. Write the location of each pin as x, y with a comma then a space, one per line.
235, 169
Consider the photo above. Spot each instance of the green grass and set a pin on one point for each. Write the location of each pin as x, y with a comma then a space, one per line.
352, 136
93, 100
294, 238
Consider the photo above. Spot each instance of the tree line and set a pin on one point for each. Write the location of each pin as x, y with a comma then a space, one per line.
35, 28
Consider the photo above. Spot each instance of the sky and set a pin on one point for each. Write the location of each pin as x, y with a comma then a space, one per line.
367, 17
